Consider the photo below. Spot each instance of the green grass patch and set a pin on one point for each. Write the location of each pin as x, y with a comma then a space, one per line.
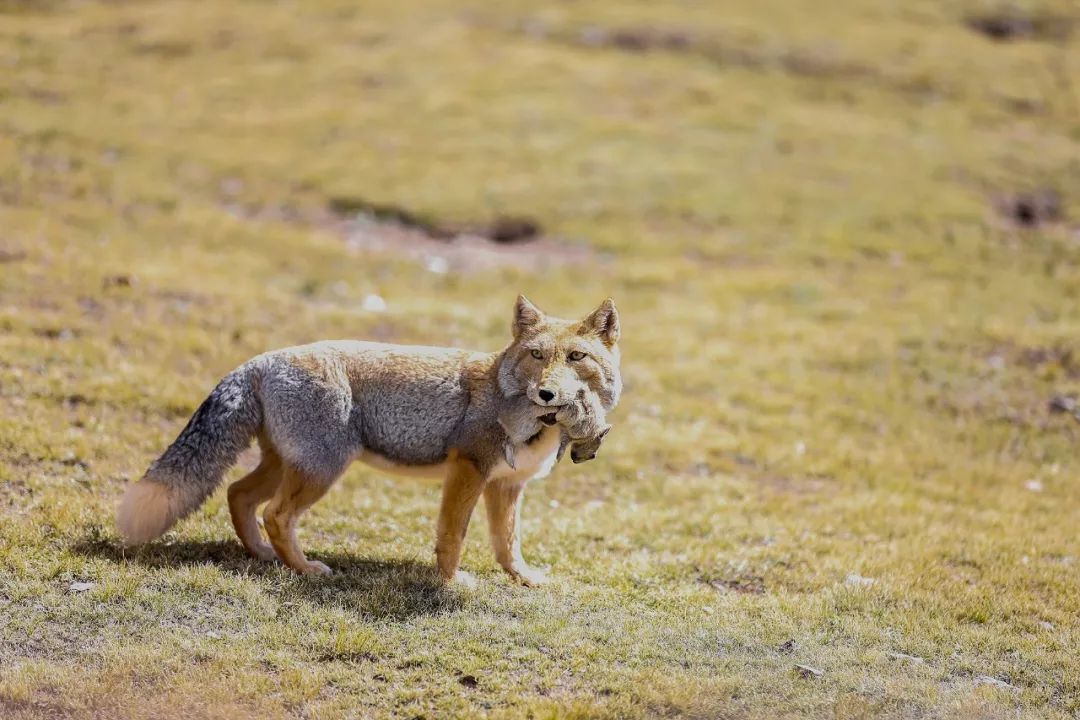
835, 447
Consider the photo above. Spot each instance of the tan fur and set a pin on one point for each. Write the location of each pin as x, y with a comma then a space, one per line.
461, 489
422, 411
503, 501
247, 494
296, 493
148, 510
381, 462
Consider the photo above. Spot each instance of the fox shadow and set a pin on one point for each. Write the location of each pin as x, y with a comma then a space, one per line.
379, 589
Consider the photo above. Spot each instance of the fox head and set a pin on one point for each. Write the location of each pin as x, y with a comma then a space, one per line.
551, 359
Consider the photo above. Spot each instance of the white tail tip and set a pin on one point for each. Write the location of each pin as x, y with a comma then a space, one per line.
147, 510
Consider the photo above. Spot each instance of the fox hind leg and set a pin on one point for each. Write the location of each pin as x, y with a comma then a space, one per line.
245, 496
296, 493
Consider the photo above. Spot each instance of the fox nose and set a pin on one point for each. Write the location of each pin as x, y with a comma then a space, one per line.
546, 395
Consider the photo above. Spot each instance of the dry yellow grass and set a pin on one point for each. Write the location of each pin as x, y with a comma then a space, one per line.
838, 352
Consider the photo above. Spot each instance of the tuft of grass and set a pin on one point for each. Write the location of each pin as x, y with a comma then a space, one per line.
835, 448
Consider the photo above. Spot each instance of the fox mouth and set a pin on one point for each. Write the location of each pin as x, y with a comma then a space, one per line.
548, 419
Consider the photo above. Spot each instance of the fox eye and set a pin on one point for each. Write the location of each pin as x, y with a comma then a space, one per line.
538, 355
577, 355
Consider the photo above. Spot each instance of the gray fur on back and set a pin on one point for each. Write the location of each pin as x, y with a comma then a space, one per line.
320, 421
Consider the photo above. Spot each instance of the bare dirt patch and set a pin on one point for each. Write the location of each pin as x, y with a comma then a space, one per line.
442, 246
506, 229
752, 585
1064, 404
1015, 24
800, 61
1031, 208
464, 252
737, 578
1051, 360
1045, 361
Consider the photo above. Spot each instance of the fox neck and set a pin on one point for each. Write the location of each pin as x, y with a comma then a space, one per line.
504, 375
533, 459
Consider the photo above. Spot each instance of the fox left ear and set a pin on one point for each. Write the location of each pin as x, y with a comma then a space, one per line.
525, 315
604, 321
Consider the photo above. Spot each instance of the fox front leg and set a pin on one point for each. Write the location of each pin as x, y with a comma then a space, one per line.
461, 490
503, 501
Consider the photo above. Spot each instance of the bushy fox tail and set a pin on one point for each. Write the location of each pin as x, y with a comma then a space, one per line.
191, 468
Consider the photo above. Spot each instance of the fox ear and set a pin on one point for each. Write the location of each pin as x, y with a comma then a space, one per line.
525, 315
604, 321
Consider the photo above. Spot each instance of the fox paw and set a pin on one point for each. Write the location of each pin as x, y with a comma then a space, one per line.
529, 576
262, 551
463, 580
314, 567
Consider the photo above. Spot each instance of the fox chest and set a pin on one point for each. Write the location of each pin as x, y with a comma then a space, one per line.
533, 460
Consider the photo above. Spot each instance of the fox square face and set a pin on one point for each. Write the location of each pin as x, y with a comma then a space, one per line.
551, 359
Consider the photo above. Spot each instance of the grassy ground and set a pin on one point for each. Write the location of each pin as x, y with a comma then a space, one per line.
834, 447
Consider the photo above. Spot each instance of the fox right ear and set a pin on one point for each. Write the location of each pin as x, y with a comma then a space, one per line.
604, 321
525, 315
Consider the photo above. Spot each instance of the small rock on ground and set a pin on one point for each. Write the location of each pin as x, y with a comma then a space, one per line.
811, 673
907, 658
995, 682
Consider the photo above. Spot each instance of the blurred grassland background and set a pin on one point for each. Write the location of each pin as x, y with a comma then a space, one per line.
845, 241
